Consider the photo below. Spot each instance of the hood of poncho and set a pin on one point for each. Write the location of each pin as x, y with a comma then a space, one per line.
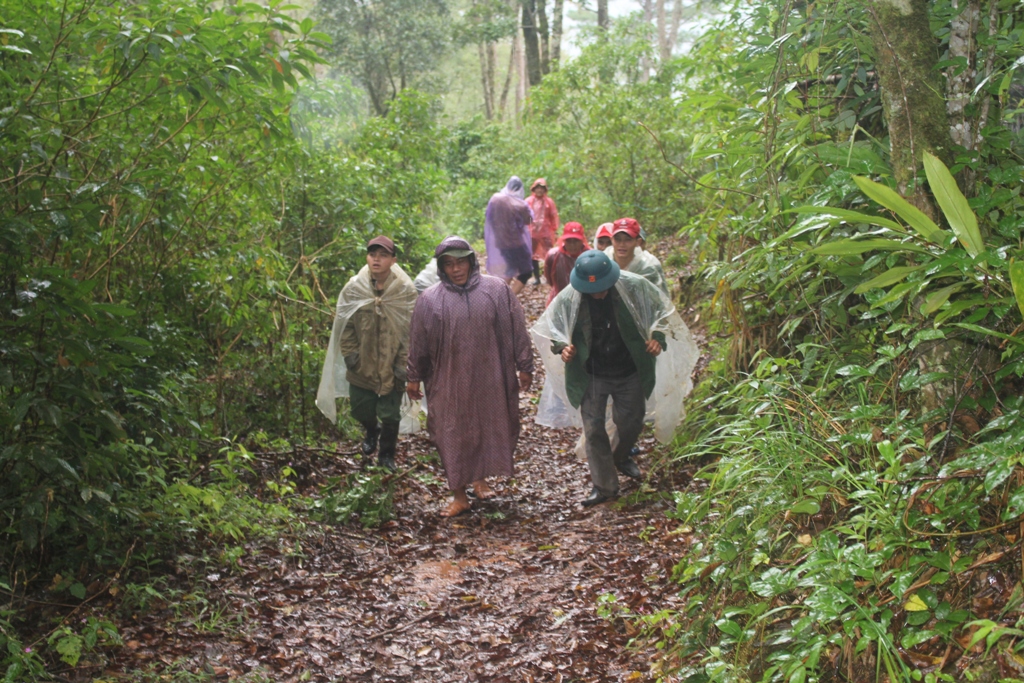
457, 243
514, 187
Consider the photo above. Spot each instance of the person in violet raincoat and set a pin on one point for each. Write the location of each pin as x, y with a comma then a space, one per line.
560, 259
470, 349
507, 236
544, 227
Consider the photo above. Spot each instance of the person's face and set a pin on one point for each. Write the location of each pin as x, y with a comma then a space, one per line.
604, 242
457, 269
540, 191
601, 295
624, 244
379, 261
573, 247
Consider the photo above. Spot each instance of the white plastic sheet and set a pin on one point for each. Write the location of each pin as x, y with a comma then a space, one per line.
644, 264
652, 311
428, 277
395, 305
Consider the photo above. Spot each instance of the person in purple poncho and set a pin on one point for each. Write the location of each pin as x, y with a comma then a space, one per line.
470, 349
507, 236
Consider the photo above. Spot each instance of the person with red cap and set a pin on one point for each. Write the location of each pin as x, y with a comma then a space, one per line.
603, 239
628, 254
562, 258
544, 226
367, 355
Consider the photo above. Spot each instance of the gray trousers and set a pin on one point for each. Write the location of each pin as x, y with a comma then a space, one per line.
628, 409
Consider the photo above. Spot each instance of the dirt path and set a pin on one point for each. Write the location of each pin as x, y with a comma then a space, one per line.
508, 592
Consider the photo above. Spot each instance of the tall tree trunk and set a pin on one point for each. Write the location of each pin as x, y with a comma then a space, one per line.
545, 37
961, 76
531, 42
481, 49
513, 55
602, 15
677, 20
556, 34
911, 90
645, 59
664, 53
492, 66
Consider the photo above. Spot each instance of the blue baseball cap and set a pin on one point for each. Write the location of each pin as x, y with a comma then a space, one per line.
594, 272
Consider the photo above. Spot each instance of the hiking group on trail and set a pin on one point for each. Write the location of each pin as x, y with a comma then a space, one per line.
614, 349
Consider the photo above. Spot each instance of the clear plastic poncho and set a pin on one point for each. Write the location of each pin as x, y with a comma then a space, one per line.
646, 265
652, 311
428, 277
395, 305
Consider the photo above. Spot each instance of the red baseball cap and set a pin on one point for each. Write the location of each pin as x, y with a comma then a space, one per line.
604, 231
383, 242
627, 225
573, 231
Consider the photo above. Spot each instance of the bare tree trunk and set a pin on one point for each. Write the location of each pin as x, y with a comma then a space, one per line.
556, 34
677, 20
545, 37
481, 49
960, 79
531, 42
911, 90
664, 53
512, 62
492, 65
521, 81
986, 102
602, 15
645, 60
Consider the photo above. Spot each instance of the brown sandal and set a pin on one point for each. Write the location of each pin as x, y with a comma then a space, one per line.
483, 491
455, 508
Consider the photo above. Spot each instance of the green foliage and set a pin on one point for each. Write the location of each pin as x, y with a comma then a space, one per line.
586, 135
175, 224
386, 46
360, 496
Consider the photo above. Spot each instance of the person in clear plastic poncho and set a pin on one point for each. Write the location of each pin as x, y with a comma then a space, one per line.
627, 250
367, 354
612, 334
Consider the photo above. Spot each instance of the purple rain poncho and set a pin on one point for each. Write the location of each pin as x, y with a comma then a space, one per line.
466, 345
507, 232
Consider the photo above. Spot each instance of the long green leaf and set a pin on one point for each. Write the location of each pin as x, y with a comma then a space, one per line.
934, 301
889, 277
849, 216
911, 214
851, 247
1017, 280
954, 205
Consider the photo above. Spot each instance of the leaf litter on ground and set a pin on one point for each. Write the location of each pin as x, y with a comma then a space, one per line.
507, 592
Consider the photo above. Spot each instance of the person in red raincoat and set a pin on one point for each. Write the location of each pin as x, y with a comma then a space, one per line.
545, 223
603, 239
561, 259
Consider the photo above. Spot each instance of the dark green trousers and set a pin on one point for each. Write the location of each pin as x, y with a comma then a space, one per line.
368, 407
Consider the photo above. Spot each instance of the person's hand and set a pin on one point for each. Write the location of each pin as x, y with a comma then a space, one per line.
568, 353
525, 381
653, 347
413, 390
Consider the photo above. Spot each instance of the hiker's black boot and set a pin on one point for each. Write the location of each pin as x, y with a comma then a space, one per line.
370, 442
388, 444
629, 468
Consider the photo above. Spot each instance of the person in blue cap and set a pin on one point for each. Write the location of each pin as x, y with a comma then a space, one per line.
611, 355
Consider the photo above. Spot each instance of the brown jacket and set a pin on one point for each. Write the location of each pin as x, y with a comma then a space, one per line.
374, 353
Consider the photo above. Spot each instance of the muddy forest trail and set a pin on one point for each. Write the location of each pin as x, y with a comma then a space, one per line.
510, 591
